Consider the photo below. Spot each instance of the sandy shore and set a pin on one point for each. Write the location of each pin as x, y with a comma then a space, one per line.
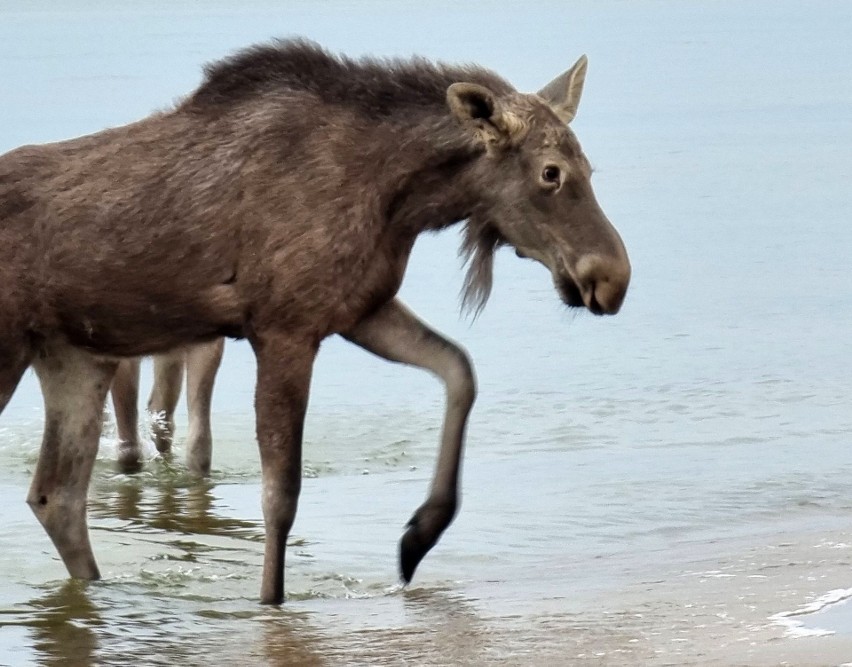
751, 602
728, 607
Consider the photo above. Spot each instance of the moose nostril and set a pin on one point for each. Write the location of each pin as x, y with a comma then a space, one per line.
594, 306
609, 297
605, 282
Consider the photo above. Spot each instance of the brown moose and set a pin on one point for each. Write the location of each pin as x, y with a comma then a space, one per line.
201, 361
280, 202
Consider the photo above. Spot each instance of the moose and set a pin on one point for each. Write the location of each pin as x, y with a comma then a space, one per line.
201, 361
279, 202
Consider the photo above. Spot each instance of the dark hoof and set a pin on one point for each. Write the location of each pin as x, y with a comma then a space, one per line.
163, 432
424, 529
198, 468
411, 552
128, 461
164, 446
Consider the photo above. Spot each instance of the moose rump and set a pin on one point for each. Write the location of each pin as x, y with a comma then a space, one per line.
280, 202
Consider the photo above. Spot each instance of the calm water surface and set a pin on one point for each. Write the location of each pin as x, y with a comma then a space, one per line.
707, 423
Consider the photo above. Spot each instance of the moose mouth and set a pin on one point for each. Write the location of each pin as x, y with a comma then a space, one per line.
573, 297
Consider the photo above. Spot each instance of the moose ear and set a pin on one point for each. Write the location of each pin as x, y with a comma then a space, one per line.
563, 93
474, 107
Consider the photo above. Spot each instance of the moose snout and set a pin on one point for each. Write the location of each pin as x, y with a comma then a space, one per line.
602, 282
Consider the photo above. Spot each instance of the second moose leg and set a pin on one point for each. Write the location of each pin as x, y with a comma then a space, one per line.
393, 332
202, 362
168, 378
125, 401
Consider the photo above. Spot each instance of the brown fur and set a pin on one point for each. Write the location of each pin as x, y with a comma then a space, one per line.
280, 202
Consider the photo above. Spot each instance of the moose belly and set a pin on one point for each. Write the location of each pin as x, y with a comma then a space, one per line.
128, 324
135, 297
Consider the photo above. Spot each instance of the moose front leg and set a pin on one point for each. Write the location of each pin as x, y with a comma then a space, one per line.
281, 398
395, 333
74, 384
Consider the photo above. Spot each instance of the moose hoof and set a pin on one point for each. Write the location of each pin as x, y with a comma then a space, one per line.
198, 457
163, 431
163, 444
128, 461
424, 529
199, 468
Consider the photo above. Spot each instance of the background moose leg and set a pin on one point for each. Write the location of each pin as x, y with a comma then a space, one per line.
74, 384
202, 362
281, 398
125, 401
168, 377
394, 333
13, 363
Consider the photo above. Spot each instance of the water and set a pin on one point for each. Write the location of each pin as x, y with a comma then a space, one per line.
654, 488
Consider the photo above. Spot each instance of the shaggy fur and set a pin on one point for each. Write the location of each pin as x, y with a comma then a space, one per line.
375, 87
371, 87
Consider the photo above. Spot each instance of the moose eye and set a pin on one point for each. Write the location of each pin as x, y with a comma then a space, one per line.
551, 175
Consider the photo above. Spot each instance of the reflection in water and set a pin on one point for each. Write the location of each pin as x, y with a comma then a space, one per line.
424, 626
454, 624
288, 639
170, 597
177, 502
63, 625
75, 625
156, 611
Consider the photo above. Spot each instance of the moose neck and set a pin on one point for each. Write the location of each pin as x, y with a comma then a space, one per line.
436, 190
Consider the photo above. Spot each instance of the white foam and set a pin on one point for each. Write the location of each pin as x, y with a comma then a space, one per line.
796, 628
833, 545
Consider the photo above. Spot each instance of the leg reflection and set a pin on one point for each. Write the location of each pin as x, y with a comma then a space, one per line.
64, 626
171, 503
289, 639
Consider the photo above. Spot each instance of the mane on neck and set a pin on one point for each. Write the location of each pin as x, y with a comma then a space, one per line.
377, 87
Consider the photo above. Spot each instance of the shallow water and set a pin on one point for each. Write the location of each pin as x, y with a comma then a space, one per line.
648, 488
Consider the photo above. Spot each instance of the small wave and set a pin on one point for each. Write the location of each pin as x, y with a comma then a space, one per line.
334, 586
796, 628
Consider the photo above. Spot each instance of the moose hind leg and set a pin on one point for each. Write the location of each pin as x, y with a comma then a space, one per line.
395, 333
13, 363
202, 362
74, 384
125, 400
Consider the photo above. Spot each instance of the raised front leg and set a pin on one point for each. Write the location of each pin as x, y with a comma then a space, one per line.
74, 384
125, 401
395, 333
281, 397
168, 377
202, 362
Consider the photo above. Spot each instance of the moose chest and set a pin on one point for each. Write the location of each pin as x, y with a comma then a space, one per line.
329, 286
